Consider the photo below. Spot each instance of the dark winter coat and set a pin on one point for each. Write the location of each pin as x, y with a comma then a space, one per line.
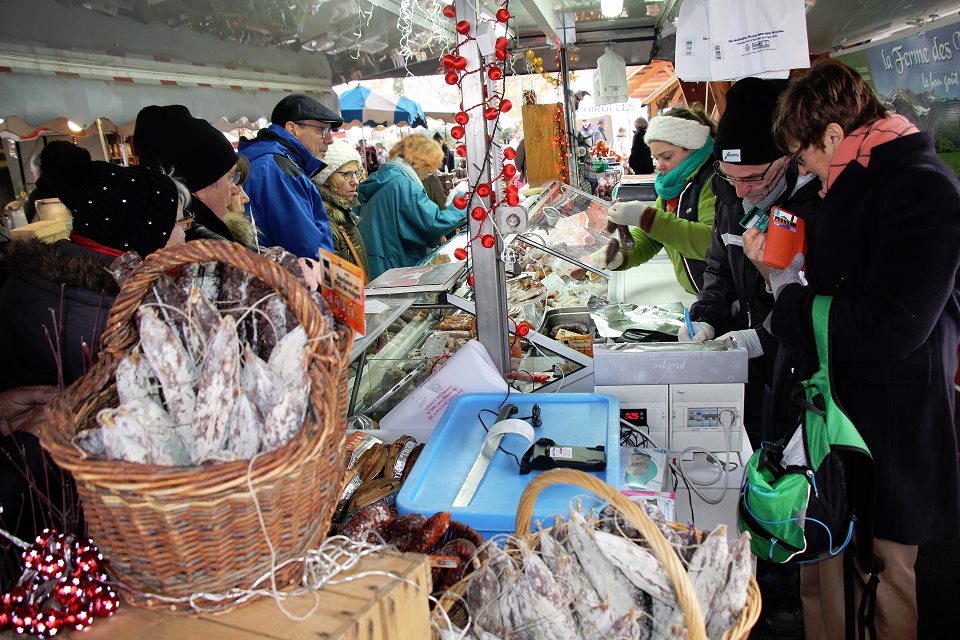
206, 225
55, 299
641, 160
886, 246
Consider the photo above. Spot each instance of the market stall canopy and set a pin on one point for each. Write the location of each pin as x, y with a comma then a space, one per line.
362, 105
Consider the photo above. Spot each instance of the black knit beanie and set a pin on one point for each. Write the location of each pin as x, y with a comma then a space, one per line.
744, 132
170, 138
124, 208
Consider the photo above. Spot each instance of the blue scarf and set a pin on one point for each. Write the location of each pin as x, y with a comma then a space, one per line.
670, 185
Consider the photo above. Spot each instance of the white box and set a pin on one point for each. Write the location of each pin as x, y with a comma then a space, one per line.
702, 414
627, 364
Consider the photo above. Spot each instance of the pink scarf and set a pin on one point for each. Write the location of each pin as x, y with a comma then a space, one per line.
858, 145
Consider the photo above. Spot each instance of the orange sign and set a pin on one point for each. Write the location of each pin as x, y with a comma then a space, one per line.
341, 284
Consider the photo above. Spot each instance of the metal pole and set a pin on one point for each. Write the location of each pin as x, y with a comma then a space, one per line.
488, 288
103, 141
569, 117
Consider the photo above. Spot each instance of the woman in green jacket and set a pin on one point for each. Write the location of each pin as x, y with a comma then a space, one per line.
681, 219
338, 183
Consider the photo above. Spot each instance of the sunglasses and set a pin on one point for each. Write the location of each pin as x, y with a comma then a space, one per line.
186, 221
322, 128
346, 175
734, 181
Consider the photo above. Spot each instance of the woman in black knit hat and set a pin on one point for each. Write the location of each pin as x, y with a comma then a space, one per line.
54, 306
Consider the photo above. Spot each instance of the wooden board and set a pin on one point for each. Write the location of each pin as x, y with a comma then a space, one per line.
539, 130
370, 607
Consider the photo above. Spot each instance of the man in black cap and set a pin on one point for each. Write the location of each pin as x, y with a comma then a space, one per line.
752, 176
285, 204
171, 139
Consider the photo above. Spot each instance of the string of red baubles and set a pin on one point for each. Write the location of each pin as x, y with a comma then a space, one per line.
63, 586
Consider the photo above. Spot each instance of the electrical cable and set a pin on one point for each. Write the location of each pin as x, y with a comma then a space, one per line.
632, 429
723, 470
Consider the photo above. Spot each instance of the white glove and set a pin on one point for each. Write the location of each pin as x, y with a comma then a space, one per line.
599, 259
702, 331
627, 213
458, 190
748, 339
779, 278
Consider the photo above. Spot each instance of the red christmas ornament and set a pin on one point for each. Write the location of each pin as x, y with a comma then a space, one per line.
523, 328
509, 170
5, 615
447, 61
460, 253
491, 113
501, 54
457, 132
450, 11
463, 27
488, 241
47, 624
478, 213
509, 153
505, 105
460, 202
502, 15
461, 118
501, 43
462, 150
451, 77
105, 604
459, 63
22, 617
483, 189
470, 279
512, 199
494, 73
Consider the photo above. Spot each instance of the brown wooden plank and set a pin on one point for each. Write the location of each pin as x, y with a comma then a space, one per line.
539, 130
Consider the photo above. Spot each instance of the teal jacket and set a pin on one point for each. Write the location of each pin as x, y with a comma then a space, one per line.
400, 225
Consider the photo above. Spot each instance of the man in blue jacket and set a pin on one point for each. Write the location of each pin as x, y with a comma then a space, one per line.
284, 204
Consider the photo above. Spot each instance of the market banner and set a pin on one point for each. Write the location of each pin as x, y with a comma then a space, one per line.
918, 76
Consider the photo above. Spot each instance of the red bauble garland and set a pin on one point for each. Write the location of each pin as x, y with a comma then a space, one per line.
63, 586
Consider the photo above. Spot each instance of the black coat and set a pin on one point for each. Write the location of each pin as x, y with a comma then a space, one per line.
641, 162
206, 225
886, 246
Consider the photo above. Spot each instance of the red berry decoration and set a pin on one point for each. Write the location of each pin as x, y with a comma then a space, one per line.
462, 150
460, 253
501, 54
463, 27
451, 77
450, 11
461, 118
509, 170
460, 202
491, 113
447, 61
505, 105
494, 73
459, 63
509, 153
470, 279
512, 199
502, 15
478, 213
488, 241
523, 328
5, 615
501, 43
457, 132
483, 189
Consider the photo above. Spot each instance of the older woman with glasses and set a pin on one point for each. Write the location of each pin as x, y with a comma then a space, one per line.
338, 184
885, 244
681, 141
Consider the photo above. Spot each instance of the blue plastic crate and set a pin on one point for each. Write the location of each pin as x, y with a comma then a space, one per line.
575, 419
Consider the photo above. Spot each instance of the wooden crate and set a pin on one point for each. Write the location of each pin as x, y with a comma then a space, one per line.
368, 608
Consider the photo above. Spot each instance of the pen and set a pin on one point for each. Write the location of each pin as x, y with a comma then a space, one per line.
686, 318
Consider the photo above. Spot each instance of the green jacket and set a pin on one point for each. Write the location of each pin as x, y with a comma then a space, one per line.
343, 227
685, 234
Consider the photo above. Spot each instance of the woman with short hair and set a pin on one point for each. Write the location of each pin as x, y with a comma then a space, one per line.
399, 223
884, 244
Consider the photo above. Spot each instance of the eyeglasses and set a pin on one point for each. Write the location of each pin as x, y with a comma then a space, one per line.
324, 129
734, 181
186, 221
235, 177
346, 175
797, 157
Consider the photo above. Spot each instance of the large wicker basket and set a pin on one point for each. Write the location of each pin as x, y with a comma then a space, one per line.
452, 601
178, 531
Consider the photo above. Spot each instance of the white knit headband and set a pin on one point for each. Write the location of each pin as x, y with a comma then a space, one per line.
677, 131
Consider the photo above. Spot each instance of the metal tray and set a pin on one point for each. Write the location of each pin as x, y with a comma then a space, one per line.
565, 315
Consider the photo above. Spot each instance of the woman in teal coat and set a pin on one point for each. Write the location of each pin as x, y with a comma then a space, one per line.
400, 225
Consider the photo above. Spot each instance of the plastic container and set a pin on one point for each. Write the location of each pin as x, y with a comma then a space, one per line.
574, 419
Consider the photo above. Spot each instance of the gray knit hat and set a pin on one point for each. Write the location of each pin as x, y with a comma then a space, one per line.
338, 154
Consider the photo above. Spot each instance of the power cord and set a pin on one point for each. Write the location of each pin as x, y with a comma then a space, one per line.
723, 467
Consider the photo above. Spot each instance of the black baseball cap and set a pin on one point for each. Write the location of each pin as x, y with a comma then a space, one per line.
297, 107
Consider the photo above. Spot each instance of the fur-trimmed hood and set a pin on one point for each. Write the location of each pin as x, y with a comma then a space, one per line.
62, 263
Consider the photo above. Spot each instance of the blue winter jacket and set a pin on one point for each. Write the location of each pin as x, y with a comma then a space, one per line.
398, 222
284, 203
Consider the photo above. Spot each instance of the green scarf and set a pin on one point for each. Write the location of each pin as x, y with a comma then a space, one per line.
670, 185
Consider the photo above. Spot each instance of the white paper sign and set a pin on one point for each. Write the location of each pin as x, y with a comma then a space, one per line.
733, 39
469, 370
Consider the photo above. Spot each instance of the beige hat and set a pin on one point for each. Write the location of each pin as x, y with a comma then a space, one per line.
338, 154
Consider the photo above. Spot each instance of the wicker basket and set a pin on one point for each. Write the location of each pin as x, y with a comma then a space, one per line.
452, 600
178, 531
